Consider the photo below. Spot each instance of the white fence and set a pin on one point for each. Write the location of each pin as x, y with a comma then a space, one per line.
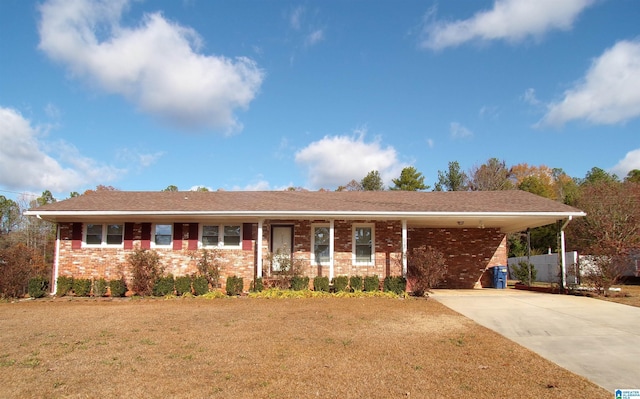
548, 267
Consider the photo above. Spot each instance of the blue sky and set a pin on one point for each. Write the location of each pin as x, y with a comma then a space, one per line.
263, 95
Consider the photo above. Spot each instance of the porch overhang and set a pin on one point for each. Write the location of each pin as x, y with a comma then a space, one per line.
507, 222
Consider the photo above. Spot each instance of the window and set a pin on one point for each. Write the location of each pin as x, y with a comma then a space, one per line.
163, 234
103, 234
224, 236
114, 234
210, 236
363, 244
231, 236
321, 244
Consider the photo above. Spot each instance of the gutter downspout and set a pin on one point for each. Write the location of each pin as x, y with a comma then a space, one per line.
563, 262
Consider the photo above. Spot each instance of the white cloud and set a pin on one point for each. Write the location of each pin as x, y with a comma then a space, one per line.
156, 65
296, 17
457, 131
510, 20
336, 160
529, 97
430, 143
144, 159
26, 165
608, 94
314, 37
630, 161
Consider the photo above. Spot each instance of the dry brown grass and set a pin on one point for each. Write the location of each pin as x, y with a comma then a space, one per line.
630, 295
286, 348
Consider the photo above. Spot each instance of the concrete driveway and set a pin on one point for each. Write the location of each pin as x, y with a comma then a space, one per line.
596, 339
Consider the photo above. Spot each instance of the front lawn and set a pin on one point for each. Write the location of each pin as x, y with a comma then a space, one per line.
265, 348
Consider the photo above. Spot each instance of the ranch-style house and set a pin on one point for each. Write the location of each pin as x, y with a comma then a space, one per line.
329, 233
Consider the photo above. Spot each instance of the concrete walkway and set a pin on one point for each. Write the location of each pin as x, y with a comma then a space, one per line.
596, 339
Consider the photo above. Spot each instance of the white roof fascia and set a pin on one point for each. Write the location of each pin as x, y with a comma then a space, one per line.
275, 214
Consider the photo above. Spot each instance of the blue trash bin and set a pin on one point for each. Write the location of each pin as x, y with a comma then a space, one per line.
499, 277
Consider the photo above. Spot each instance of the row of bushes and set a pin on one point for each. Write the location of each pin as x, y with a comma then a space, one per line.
199, 285
86, 287
395, 284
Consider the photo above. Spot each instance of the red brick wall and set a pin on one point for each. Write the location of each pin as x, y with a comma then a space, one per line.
111, 263
469, 253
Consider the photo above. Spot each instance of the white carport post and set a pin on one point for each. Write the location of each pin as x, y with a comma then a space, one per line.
563, 263
331, 248
404, 248
259, 250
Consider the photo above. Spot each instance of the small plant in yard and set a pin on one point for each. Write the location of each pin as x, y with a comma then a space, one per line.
38, 287
81, 287
340, 283
299, 283
426, 268
395, 284
371, 283
100, 287
200, 285
118, 288
183, 285
209, 266
321, 284
145, 267
257, 285
355, 283
235, 285
521, 272
65, 284
164, 285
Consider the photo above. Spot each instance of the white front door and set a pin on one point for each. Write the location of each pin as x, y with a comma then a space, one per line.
281, 242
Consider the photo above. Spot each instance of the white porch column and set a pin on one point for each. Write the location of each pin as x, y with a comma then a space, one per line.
56, 261
331, 248
404, 248
259, 249
563, 262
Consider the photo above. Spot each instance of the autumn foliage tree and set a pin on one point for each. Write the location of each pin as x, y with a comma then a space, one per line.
610, 231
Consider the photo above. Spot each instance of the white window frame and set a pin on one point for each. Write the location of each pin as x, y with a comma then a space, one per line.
103, 238
354, 258
221, 227
153, 235
313, 243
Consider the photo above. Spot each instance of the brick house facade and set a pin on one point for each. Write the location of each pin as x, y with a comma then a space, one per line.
326, 233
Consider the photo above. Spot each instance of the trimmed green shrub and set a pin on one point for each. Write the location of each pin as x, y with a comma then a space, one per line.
183, 285
37, 287
81, 286
257, 285
200, 285
65, 284
395, 284
371, 283
164, 285
100, 287
321, 284
521, 272
299, 283
340, 283
235, 285
118, 288
355, 283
